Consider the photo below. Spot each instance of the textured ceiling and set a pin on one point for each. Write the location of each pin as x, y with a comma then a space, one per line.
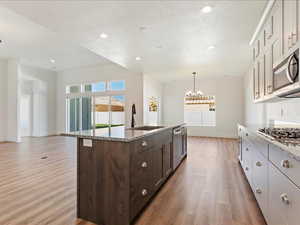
171, 37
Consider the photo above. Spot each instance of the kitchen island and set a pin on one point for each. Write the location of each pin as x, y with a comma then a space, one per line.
119, 170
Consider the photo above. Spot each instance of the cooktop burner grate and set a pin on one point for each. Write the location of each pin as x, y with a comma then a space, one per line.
285, 135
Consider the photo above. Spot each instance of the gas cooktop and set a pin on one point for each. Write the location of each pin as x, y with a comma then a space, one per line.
283, 135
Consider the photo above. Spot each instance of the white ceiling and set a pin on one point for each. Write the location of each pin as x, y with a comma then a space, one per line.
171, 37
35, 45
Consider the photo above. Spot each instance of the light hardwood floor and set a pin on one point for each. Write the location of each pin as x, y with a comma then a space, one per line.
209, 188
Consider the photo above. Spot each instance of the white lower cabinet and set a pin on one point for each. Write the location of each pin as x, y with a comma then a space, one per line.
277, 209
260, 181
284, 199
274, 187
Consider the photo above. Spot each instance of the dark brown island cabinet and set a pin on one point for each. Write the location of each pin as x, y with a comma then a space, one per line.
116, 179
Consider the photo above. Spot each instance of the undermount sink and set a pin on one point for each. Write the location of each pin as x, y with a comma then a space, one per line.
147, 128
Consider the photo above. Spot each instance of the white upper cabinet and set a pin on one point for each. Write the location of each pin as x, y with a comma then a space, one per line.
276, 38
290, 31
268, 60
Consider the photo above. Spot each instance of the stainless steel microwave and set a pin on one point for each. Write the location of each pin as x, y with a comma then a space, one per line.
287, 72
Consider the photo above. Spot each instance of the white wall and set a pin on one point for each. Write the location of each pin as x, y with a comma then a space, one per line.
3, 97
43, 95
13, 98
264, 114
133, 93
152, 88
229, 104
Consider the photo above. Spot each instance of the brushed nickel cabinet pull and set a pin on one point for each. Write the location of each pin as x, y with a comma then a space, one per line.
258, 191
144, 165
284, 198
258, 164
285, 164
292, 37
144, 192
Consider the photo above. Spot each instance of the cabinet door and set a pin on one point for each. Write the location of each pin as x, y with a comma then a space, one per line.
167, 159
268, 59
262, 81
184, 140
255, 82
284, 199
293, 196
247, 161
277, 31
277, 187
290, 36
157, 170
257, 79
269, 31
260, 180
89, 178
262, 43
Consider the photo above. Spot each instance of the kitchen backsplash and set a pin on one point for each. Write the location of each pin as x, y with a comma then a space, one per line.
287, 111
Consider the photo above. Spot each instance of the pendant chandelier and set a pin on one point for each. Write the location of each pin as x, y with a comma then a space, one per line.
194, 93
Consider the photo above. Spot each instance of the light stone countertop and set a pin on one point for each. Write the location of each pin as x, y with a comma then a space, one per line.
120, 133
292, 149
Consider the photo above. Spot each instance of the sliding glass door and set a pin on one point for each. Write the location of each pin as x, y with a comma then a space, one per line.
102, 111
88, 112
74, 114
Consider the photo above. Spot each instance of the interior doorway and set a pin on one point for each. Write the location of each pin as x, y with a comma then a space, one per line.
26, 115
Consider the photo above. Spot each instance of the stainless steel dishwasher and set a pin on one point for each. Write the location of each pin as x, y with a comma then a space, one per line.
179, 145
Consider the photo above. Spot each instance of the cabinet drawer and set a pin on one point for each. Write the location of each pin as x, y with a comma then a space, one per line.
143, 144
140, 168
286, 163
255, 143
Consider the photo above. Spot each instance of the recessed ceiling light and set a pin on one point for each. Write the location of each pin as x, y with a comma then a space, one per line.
103, 35
138, 58
211, 47
206, 9
52, 60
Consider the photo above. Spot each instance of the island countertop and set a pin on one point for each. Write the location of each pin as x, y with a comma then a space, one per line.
120, 133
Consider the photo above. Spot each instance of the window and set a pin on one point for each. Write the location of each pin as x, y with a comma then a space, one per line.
73, 89
200, 111
95, 107
95, 87
116, 85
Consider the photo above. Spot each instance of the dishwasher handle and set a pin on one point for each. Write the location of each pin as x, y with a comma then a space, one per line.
177, 131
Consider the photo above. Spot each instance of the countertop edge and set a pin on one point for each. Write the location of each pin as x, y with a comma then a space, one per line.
285, 148
104, 138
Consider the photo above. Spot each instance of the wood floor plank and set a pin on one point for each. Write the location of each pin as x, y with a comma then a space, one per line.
209, 188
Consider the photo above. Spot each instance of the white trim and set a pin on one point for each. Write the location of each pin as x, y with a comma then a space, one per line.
262, 20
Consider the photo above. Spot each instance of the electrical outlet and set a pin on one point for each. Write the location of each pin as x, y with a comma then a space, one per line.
87, 143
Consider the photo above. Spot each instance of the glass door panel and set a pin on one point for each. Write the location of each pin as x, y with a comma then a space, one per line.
117, 110
86, 119
102, 112
74, 114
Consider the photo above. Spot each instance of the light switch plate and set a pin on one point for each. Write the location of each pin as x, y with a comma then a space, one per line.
87, 143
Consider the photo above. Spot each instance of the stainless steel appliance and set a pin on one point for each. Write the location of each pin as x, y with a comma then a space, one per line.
179, 145
286, 74
289, 136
